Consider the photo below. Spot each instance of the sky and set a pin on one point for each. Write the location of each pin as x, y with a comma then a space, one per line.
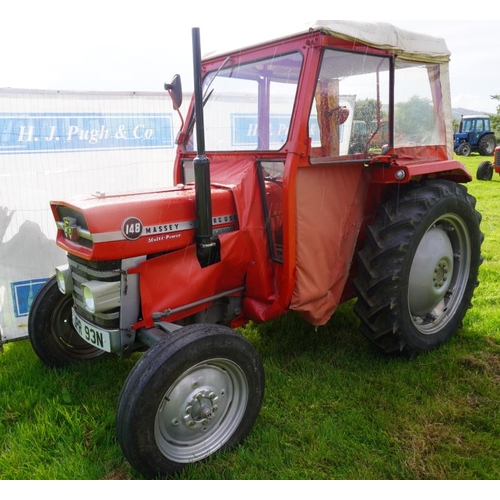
138, 45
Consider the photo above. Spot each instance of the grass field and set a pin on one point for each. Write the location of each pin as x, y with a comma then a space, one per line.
334, 408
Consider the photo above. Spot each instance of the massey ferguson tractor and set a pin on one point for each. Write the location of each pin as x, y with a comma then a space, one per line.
270, 212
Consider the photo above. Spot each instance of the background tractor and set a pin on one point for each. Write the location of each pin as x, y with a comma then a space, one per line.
475, 134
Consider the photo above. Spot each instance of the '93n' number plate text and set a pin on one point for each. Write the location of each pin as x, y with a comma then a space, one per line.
91, 334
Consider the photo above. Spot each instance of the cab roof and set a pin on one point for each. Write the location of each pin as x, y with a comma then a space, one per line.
405, 44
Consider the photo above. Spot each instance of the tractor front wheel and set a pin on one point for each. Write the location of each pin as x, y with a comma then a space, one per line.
51, 331
464, 149
485, 171
191, 395
419, 268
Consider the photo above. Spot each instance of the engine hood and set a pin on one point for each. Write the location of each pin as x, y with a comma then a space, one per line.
126, 225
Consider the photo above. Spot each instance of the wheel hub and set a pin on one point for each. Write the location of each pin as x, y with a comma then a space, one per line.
431, 272
200, 409
441, 273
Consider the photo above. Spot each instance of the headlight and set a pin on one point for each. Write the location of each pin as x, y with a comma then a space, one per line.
64, 279
100, 296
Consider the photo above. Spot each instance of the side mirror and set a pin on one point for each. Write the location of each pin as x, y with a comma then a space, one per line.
174, 89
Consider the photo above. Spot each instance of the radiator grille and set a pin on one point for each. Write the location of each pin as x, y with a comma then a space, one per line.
82, 271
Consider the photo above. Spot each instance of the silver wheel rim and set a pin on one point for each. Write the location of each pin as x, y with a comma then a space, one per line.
439, 274
201, 410
490, 145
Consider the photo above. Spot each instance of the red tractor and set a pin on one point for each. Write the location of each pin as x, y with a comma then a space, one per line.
271, 212
486, 168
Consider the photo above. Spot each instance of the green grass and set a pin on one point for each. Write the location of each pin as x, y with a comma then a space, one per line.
334, 408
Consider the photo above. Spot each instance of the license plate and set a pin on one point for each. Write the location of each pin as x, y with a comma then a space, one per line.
91, 334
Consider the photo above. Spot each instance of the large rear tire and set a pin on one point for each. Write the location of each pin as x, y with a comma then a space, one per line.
419, 268
51, 332
486, 145
191, 395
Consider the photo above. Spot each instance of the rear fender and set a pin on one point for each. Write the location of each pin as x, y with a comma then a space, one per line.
402, 174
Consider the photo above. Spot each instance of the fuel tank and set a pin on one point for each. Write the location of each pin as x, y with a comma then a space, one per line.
119, 226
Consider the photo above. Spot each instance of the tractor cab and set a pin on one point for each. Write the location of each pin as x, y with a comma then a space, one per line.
279, 119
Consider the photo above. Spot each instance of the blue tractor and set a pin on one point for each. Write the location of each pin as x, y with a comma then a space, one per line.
474, 135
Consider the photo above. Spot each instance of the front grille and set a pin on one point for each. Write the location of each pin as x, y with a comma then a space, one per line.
497, 159
85, 270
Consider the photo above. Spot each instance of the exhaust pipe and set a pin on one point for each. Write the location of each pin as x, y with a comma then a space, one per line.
207, 243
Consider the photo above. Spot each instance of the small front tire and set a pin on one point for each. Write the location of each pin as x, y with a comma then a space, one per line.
485, 171
51, 331
464, 149
191, 395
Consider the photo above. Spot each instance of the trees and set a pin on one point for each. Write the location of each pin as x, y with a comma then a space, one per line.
495, 120
414, 120
366, 110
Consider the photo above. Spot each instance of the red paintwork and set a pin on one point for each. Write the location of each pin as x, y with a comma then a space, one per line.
175, 279
415, 168
244, 259
106, 215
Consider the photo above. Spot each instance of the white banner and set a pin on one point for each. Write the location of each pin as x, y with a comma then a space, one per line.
57, 145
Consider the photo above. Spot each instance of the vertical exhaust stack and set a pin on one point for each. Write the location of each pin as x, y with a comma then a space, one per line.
207, 243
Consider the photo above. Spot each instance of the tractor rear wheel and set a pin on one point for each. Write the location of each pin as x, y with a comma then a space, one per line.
419, 268
485, 171
194, 393
486, 145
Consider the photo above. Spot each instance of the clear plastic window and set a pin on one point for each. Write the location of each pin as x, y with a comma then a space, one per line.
417, 103
350, 108
249, 106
